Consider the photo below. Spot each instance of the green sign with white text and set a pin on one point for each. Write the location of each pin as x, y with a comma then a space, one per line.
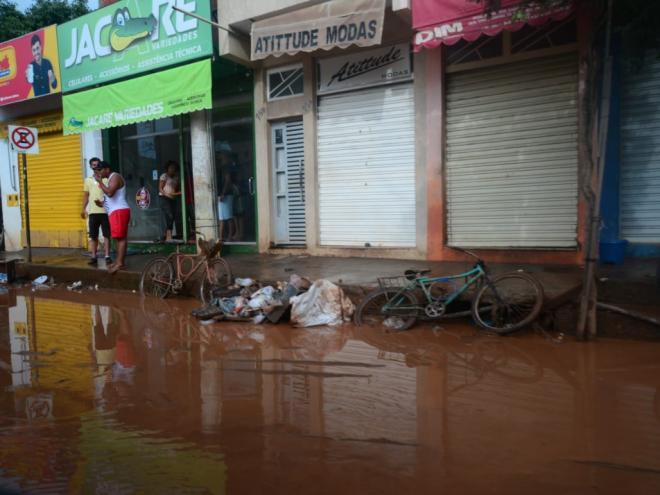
130, 37
154, 96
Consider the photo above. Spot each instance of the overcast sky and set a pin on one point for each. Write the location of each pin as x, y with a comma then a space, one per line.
24, 4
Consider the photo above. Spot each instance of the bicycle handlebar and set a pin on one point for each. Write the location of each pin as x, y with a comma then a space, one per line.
198, 233
469, 253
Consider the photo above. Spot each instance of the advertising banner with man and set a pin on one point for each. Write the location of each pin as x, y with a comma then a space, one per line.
130, 37
29, 66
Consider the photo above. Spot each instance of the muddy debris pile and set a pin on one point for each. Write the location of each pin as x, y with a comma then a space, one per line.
298, 300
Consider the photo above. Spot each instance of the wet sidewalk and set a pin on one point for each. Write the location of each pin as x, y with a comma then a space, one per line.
68, 265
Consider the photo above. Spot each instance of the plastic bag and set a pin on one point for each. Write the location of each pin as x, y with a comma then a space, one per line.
244, 282
323, 304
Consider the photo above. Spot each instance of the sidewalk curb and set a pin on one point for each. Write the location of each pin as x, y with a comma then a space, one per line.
130, 280
88, 276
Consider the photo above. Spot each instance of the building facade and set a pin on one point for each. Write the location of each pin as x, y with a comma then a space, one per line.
30, 95
336, 114
139, 98
503, 135
472, 142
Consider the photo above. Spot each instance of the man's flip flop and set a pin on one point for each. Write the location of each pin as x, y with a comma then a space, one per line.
114, 269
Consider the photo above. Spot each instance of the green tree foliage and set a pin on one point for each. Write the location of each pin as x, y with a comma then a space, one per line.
42, 13
12, 21
46, 12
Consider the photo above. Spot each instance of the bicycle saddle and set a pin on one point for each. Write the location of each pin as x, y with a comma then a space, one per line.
412, 274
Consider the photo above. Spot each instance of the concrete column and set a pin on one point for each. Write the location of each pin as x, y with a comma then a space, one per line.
311, 169
262, 160
203, 165
11, 195
92, 146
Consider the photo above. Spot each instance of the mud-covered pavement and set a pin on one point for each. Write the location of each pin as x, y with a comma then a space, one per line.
105, 392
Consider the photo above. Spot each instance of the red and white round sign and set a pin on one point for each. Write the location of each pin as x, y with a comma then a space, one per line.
23, 139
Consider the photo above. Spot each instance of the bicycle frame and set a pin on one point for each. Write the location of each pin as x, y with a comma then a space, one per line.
177, 258
471, 277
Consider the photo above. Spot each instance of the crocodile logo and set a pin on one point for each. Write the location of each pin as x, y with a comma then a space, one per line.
125, 30
73, 122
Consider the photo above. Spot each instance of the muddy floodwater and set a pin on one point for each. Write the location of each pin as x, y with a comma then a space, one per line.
105, 392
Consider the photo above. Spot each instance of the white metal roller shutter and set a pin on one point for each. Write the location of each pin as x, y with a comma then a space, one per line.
511, 163
366, 167
295, 163
640, 148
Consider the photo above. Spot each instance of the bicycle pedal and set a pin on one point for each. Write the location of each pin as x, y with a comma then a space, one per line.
435, 310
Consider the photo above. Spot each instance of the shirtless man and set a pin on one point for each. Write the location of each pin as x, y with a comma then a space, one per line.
119, 212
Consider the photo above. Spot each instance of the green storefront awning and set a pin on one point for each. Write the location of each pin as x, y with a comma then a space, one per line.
155, 96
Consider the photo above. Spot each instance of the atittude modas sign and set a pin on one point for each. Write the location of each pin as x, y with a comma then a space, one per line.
339, 23
383, 65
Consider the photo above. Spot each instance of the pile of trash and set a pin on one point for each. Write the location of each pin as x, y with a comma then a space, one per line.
298, 300
44, 282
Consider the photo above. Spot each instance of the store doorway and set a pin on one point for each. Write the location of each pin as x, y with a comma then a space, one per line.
233, 144
288, 183
145, 150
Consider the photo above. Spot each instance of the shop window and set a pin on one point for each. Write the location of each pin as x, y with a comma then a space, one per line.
528, 38
483, 48
546, 36
233, 145
285, 82
167, 124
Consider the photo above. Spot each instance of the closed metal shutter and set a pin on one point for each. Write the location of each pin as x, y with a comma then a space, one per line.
366, 167
295, 164
55, 185
511, 163
640, 147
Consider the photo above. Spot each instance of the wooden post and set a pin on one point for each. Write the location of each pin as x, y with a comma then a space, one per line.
587, 314
26, 207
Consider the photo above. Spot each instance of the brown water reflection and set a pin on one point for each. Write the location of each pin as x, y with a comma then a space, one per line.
107, 393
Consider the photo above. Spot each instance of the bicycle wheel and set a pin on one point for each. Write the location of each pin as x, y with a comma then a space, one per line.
218, 275
400, 313
157, 277
507, 303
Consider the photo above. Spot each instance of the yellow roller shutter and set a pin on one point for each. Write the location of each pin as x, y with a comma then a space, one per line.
55, 193
65, 328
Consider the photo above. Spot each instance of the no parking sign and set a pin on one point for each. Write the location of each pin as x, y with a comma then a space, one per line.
23, 139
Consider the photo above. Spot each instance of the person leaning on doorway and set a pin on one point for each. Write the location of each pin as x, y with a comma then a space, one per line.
97, 217
119, 212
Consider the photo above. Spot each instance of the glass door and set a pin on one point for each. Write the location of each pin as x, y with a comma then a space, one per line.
233, 145
145, 150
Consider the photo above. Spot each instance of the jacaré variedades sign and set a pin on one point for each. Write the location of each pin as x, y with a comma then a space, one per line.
339, 23
130, 37
384, 65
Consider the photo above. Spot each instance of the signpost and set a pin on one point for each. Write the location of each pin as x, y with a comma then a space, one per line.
24, 140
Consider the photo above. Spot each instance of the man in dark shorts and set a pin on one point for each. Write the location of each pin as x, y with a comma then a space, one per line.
96, 215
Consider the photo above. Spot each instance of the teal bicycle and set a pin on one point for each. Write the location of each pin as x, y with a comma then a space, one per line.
501, 304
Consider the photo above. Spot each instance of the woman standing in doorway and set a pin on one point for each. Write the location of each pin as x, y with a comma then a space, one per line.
226, 198
169, 190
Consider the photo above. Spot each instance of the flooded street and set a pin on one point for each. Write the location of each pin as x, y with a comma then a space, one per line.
105, 392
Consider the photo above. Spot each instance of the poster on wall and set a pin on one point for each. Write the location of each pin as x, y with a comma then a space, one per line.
29, 66
143, 198
130, 37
